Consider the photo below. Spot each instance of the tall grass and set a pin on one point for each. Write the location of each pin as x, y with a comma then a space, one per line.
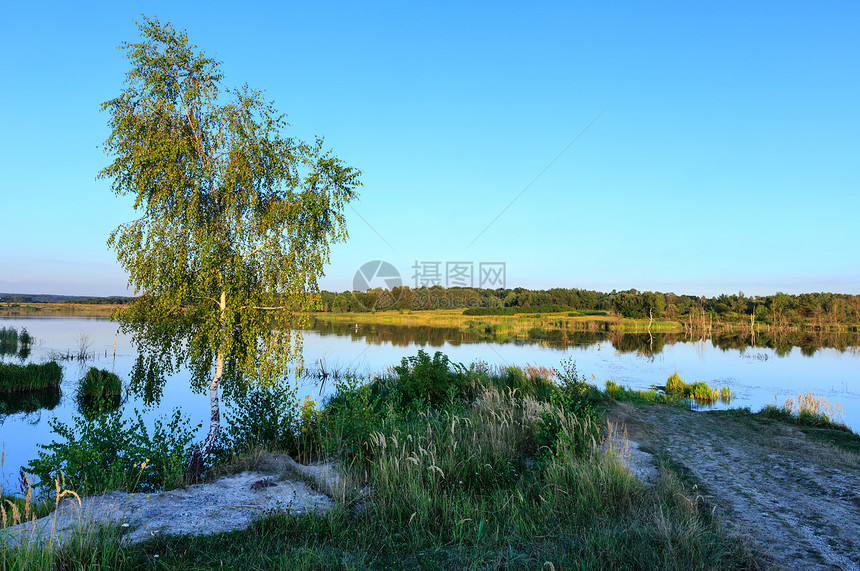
698, 391
11, 339
8, 339
29, 377
99, 383
808, 410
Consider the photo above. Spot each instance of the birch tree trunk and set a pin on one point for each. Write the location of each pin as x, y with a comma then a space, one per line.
198, 458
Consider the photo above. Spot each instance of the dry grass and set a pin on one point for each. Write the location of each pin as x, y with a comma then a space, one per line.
814, 406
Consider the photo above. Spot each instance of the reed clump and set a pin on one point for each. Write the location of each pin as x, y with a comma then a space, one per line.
698, 391
808, 410
99, 383
30, 377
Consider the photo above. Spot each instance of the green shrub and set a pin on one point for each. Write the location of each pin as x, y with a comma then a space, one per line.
422, 379
575, 395
674, 384
698, 391
107, 453
352, 414
265, 417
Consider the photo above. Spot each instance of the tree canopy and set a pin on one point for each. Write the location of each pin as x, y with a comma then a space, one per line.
235, 219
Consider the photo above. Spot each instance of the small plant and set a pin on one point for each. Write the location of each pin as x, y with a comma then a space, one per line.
674, 384
262, 417
99, 392
575, 395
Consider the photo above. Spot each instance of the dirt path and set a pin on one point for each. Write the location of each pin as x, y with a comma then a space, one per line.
797, 499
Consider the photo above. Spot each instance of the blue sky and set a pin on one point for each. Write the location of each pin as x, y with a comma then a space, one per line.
724, 156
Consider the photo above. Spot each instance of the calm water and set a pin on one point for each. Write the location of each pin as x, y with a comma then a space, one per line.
756, 375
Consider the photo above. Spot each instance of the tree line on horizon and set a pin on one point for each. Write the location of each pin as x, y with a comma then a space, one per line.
779, 308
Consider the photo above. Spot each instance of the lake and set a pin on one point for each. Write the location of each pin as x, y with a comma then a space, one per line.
757, 375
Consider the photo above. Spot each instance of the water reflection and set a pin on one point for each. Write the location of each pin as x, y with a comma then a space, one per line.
147, 380
645, 344
399, 335
90, 407
29, 402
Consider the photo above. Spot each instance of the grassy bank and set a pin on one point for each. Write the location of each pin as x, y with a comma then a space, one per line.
70, 309
468, 467
501, 327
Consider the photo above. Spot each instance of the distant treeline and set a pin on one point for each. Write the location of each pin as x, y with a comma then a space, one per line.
114, 300
780, 308
50, 298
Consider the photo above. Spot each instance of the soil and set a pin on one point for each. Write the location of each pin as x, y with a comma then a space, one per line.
797, 500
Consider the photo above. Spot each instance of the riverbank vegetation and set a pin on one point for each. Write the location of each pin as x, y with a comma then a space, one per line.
30, 377
466, 466
675, 392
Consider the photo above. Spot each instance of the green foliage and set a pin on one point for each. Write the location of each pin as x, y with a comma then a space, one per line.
352, 414
698, 391
575, 395
99, 383
621, 393
675, 385
105, 453
30, 377
99, 392
263, 417
235, 219
421, 378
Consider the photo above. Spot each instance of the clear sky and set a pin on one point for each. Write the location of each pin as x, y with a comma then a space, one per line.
725, 155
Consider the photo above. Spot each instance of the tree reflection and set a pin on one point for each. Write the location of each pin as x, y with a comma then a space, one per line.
781, 342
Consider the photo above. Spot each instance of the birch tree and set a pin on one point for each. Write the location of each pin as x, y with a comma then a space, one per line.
234, 219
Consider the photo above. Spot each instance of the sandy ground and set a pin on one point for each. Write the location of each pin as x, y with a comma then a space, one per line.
231, 502
797, 500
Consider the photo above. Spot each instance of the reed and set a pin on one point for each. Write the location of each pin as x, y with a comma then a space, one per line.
808, 410
30, 377
698, 391
98, 383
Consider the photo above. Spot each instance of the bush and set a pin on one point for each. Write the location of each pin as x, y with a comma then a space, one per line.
575, 395
433, 381
108, 453
698, 391
353, 413
264, 417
